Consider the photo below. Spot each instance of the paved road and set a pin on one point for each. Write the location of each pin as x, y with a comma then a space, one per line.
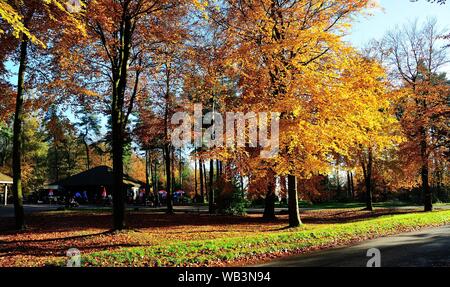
429, 247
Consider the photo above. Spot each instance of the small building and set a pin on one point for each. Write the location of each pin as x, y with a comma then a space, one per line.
94, 181
5, 182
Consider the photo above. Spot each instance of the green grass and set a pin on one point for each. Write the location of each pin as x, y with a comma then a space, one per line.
384, 204
75, 210
206, 252
441, 204
340, 205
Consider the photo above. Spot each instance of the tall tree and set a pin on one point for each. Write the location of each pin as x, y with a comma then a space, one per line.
416, 56
211, 196
119, 49
281, 52
17, 142
88, 128
202, 192
25, 16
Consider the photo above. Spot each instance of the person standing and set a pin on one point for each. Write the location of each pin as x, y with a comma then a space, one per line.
85, 196
104, 195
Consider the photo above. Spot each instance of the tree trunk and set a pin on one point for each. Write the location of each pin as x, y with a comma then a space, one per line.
168, 179
181, 170
205, 185
352, 185
424, 173
148, 165
195, 180
294, 215
118, 191
218, 182
269, 202
120, 77
172, 162
241, 181
17, 139
155, 184
338, 186
167, 148
283, 191
56, 162
69, 162
211, 188
202, 192
217, 170
367, 170
88, 159
349, 188
150, 175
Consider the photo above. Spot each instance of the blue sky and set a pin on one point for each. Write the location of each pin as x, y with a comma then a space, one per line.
393, 13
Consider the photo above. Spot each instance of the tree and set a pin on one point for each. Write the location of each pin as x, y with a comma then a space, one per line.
285, 54
15, 19
118, 49
151, 138
27, 26
88, 127
5, 143
27, 12
12, 15
35, 151
377, 127
204, 84
201, 169
417, 57
169, 77
64, 145
211, 195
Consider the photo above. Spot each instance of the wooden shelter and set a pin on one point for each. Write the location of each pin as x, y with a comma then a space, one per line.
5, 182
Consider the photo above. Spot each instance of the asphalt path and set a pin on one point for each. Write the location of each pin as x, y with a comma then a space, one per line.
424, 248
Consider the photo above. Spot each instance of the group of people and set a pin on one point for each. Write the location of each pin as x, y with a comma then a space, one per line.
102, 196
137, 195
81, 197
77, 198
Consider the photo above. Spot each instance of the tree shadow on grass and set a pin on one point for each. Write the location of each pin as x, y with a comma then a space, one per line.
84, 236
135, 220
350, 215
